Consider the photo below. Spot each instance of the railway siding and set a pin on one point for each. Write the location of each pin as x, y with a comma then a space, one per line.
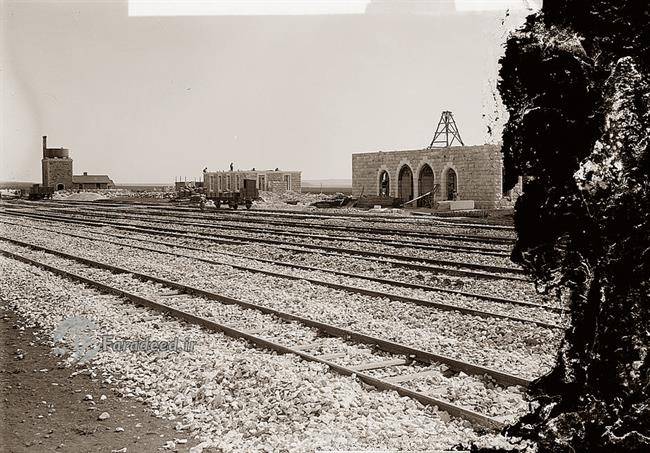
206, 385
447, 266
108, 284
432, 311
402, 273
500, 343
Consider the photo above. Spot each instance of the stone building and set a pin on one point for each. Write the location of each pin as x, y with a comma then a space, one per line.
57, 167
87, 181
455, 173
57, 172
270, 180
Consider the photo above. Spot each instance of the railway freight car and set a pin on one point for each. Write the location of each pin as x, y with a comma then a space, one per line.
39, 192
246, 194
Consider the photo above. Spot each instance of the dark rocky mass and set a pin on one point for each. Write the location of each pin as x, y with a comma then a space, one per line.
575, 82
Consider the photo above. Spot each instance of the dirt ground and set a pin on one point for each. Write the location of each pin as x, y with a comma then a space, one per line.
43, 409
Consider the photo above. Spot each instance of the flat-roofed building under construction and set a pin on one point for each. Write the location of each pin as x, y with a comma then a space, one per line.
277, 181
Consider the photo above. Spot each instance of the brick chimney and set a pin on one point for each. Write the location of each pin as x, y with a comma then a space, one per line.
44, 144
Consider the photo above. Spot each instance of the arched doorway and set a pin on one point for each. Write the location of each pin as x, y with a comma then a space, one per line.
59, 187
405, 184
384, 184
425, 185
452, 184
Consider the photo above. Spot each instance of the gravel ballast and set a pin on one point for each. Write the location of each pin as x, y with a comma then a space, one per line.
232, 396
484, 396
526, 312
520, 290
409, 253
510, 346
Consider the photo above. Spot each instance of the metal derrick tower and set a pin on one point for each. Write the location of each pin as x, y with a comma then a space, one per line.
446, 132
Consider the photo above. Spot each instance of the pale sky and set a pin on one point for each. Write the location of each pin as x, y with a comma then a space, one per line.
165, 92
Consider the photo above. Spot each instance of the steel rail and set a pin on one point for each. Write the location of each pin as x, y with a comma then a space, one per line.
283, 232
347, 288
322, 250
324, 215
298, 215
452, 409
384, 281
433, 219
471, 269
334, 331
211, 215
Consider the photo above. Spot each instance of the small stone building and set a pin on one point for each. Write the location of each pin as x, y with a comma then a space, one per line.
453, 173
87, 181
269, 180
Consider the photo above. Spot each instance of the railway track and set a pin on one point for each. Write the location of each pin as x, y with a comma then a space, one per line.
513, 347
384, 281
505, 232
313, 215
320, 282
212, 215
153, 239
392, 356
431, 265
289, 233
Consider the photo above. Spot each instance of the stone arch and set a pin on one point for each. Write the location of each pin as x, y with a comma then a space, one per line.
391, 177
395, 176
426, 183
405, 186
449, 183
60, 186
383, 183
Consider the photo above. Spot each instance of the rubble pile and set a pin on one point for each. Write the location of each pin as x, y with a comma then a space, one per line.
78, 196
273, 200
105, 194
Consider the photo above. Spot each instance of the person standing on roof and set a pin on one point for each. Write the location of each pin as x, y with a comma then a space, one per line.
232, 166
